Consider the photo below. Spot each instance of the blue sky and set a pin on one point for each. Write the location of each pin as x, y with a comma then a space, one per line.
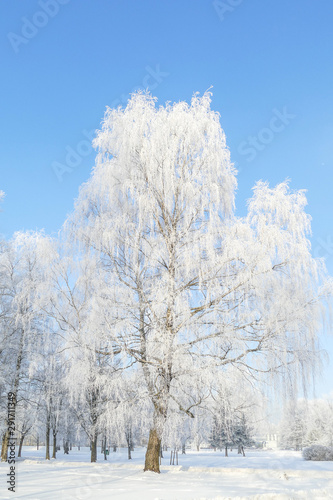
64, 61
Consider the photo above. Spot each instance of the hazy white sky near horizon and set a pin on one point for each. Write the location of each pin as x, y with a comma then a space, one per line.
64, 61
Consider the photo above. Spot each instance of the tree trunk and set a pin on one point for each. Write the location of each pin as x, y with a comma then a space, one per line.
104, 449
129, 443
37, 443
54, 445
47, 442
20, 446
243, 451
183, 449
226, 451
93, 456
153, 452
4, 447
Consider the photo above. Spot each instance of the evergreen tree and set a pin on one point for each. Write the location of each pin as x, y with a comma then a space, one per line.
242, 434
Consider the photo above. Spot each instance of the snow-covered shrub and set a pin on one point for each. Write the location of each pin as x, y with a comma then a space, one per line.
318, 452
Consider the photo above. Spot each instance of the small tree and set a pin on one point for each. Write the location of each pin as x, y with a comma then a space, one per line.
222, 430
242, 434
293, 427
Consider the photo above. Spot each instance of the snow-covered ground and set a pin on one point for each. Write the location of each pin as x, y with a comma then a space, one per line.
199, 475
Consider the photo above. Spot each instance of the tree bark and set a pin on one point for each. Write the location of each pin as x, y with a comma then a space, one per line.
226, 451
104, 448
20, 446
93, 455
54, 445
47, 442
152, 461
4, 447
129, 443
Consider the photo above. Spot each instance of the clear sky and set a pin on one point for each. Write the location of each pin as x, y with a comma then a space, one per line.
64, 61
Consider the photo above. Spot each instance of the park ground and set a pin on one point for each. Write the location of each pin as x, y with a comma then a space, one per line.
202, 475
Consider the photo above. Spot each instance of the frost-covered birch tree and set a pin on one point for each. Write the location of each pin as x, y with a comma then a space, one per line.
189, 287
91, 378
23, 263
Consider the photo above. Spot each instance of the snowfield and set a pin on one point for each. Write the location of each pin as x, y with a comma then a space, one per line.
199, 476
